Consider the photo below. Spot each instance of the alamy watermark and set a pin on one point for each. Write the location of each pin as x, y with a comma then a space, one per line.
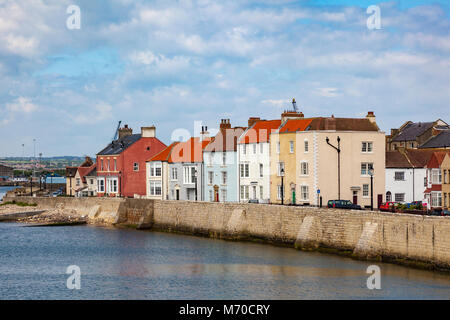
74, 280
374, 281
74, 20
374, 21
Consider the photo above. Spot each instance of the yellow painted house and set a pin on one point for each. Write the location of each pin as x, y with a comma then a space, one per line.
311, 169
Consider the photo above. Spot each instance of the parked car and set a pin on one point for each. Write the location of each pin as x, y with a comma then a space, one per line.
343, 204
388, 206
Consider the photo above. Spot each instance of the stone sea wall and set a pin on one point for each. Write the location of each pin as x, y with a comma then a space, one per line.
402, 238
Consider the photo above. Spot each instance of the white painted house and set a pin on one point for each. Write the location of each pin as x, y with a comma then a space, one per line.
406, 175
254, 160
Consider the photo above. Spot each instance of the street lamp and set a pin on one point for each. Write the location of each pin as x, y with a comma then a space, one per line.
371, 172
338, 149
282, 185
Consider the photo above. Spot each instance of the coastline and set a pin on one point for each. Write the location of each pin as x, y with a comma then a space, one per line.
413, 241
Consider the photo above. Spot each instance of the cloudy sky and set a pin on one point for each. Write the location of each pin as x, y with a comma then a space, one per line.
170, 63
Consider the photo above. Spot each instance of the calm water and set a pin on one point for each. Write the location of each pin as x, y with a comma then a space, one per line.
130, 264
3, 191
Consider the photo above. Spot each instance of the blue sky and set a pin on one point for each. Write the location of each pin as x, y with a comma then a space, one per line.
170, 63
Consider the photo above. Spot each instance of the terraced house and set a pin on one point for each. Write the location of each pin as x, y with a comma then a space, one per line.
306, 167
254, 160
121, 165
221, 165
186, 169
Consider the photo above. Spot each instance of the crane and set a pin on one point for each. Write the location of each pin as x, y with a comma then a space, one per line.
294, 105
116, 133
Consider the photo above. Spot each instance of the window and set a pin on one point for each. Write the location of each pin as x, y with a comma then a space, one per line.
244, 169
254, 148
399, 197
425, 181
445, 177
210, 177
278, 147
291, 146
367, 147
436, 176
135, 166
306, 146
174, 173
244, 192
365, 167
101, 165
399, 176
211, 199
223, 193
155, 169
101, 185
224, 177
304, 192
261, 170
78, 182
280, 169
224, 158
189, 175
436, 199
244, 149
254, 192
210, 159
91, 181
304, 170
261, 193
155, 188
108, 165
261, 148
279, 192
388, 196
114, 185
115, 165
365, 190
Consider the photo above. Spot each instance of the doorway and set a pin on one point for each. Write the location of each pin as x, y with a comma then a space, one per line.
355, 197
379, 200
177, 193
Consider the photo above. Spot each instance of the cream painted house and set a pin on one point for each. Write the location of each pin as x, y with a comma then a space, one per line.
309, 165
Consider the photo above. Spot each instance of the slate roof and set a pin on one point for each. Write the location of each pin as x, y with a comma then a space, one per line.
412, 130
119, 145
225, 140
71, 172
442, 140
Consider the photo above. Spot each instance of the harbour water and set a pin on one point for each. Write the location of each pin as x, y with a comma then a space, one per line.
131, 264
3, 191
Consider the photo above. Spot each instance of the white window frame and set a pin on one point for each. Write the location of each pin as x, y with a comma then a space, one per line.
366, 166
244, 191
261, 170
399, 175
153, 169
365, 190
367, 146
174, 174
304, 168
188, 177
291, 146
306, 146
304, 189
101, 185
210, 177
224, 176
155, 187
244, 170
399, 197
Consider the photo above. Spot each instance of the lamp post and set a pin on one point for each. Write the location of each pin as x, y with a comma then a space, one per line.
282, 185
371, 172
338, 149
51, 182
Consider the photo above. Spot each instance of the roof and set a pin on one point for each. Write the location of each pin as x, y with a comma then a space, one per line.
436, 159
434, 187
260, 131
119, 145
92, 173
84, 171
163, 155
412, 130
408, 158
71, 172
225, 140
442, 140
189, 151
331, 123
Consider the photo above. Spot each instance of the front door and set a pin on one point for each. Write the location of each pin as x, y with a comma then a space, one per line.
355, 197
177, 194
380, 200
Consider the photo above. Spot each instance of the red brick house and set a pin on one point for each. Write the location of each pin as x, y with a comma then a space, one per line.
121, 165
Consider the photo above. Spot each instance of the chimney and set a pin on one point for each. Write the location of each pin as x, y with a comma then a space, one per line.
204, 134
125, 131
148, 132
371, 116
225, 124
253, 120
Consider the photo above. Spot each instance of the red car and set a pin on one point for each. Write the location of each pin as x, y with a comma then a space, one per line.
388, 206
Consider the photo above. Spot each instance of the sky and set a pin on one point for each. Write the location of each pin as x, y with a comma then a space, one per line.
171, 63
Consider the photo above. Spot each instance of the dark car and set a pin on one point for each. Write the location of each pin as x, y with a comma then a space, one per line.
343, 204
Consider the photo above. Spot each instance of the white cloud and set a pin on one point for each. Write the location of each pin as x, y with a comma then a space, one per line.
100, 112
